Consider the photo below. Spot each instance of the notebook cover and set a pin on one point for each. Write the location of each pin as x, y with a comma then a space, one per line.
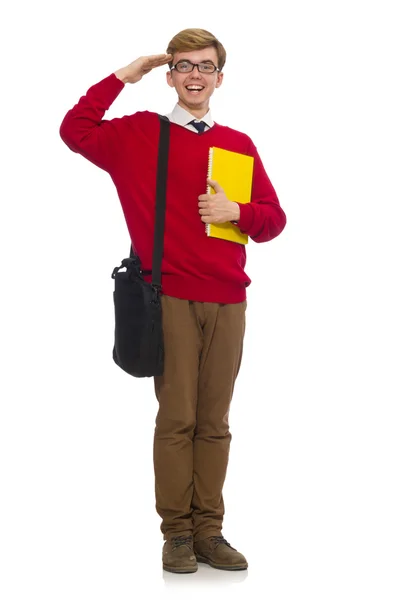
233, 171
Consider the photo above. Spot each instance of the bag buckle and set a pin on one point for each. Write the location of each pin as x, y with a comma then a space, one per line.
157, 291
128, 263
115, 271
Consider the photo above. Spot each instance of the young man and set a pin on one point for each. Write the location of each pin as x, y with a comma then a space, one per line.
203, 279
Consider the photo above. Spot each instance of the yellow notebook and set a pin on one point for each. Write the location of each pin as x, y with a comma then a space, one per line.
233, 172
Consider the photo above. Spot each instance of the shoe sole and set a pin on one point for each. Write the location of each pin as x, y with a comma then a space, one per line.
180, 570
240, 567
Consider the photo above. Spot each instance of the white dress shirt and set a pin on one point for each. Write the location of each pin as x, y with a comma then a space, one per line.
180, 116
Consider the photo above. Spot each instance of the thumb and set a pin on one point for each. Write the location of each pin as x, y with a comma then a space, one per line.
215, 185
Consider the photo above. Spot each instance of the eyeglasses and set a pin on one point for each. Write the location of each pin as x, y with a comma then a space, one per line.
185, 66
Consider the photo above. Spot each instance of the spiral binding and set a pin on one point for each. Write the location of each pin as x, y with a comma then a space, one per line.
209, 176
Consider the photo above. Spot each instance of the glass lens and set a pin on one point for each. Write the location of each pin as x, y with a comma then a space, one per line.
206, 68
184, 66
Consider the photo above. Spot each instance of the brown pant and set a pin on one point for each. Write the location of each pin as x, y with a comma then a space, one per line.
203, 343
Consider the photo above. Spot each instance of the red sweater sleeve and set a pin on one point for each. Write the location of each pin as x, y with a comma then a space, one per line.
84, 131
263, 218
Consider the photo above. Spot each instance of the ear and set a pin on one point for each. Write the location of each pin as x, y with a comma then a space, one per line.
219, 79
169, 79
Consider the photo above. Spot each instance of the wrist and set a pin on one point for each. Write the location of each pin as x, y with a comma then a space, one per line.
236, 216
121, 74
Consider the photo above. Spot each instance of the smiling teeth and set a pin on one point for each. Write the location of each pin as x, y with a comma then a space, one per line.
194, 87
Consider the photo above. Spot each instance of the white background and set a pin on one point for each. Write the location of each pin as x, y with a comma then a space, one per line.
311, 490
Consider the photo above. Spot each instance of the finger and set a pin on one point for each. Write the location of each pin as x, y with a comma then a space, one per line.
163, 61
154, 65
215, 185
159, 59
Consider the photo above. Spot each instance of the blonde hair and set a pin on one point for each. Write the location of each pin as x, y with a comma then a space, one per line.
196, 39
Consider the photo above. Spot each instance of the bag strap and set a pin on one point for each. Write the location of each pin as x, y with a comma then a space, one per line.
161, 188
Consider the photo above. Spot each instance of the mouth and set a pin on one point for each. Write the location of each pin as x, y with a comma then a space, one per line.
195, 90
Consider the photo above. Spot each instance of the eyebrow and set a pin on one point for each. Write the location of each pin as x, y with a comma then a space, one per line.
206, 60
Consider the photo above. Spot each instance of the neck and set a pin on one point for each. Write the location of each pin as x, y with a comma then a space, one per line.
198, 112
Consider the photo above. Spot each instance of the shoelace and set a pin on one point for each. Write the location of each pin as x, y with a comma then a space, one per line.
219, 539
182, 540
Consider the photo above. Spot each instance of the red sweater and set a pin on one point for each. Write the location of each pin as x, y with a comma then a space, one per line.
195, 266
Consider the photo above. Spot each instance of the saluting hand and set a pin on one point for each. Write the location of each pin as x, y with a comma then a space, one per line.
217, 208
141, 66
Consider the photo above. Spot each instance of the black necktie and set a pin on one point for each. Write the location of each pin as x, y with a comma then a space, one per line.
199, 125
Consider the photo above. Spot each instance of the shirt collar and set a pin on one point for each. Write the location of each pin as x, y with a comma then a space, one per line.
180, 116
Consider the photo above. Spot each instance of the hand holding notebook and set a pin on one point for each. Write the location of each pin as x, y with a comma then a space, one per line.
216, 207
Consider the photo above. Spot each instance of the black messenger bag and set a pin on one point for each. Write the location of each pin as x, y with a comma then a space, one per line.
138, 339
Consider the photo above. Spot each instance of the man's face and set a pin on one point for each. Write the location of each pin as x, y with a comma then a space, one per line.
207, 82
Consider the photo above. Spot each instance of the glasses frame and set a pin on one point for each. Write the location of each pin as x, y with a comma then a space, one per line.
216, 70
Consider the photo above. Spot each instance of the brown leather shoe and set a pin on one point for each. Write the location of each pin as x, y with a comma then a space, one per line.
178, 555
218, 553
